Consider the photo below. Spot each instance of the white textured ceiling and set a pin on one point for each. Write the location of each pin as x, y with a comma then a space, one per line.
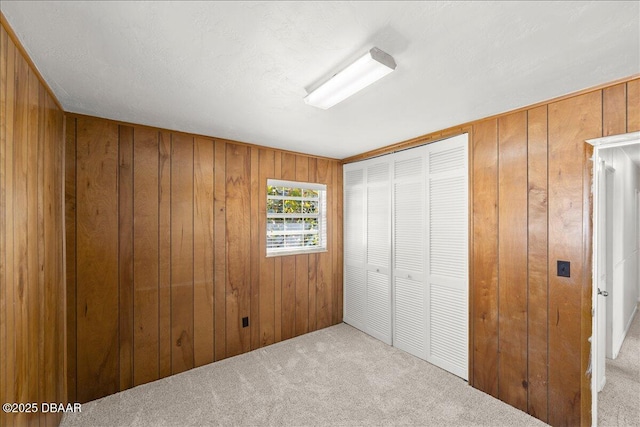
240, 70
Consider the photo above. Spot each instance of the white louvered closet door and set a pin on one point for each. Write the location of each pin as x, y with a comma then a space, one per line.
355, 291
409, 252
378, 226
406, 251
447, 254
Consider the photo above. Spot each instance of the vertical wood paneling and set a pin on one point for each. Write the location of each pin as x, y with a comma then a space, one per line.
277, 264
71, 258
571, 122
614, 113
313, 265
54, 297
192, 279
125, 254
336, 284
324, 275
33, 147
288, 264
181, 253
145, 256
485, 257
267, 283
45, 327
20, 229
337, 240
254, 198
203, 303
220, 251
3, 218
537, 316
567, 133
48, 255
633, 106
512, 259
164, 253
56, 140
60, 292
302, 265
288, 274
97, 304
135, 199
10, 349
238, 246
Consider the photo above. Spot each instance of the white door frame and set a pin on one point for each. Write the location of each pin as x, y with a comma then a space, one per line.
600, 144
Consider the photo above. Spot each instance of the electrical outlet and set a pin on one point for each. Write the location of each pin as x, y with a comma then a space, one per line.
245, 322
564, 269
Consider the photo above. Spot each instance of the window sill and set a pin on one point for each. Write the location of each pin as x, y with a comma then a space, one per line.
297, 252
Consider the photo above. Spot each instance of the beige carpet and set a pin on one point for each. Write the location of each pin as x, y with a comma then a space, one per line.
335, 376
619, 400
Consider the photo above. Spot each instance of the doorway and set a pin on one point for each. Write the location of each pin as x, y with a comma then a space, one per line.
615, 222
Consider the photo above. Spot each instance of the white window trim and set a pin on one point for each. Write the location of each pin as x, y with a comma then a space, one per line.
321, 216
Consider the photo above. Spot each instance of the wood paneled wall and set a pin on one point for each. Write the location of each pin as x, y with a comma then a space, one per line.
166, 246
531, 207
32, 333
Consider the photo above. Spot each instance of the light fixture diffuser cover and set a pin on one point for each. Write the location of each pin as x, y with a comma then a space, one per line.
367, 69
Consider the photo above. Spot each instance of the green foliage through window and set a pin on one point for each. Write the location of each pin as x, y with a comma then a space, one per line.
295, 217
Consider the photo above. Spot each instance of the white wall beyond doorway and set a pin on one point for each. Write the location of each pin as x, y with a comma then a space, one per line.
623, 279
596, 368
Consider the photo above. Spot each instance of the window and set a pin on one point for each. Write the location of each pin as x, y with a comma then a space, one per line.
296, 217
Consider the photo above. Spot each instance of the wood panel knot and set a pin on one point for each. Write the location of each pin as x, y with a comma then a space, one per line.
183, 336
525, 384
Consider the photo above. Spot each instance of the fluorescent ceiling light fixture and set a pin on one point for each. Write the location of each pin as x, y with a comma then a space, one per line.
371, 67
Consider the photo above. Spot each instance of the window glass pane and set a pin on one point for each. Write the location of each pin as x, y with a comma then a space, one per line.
296, 220
310, 207
310, 193
293, 206
275, 242
275, 224
310, 239
293, 241
292, 224
275, 206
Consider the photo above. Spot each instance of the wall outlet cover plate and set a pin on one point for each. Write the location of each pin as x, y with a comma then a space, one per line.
564, 269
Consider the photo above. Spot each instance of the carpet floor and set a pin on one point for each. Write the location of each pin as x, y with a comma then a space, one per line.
335, 376
619, 400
